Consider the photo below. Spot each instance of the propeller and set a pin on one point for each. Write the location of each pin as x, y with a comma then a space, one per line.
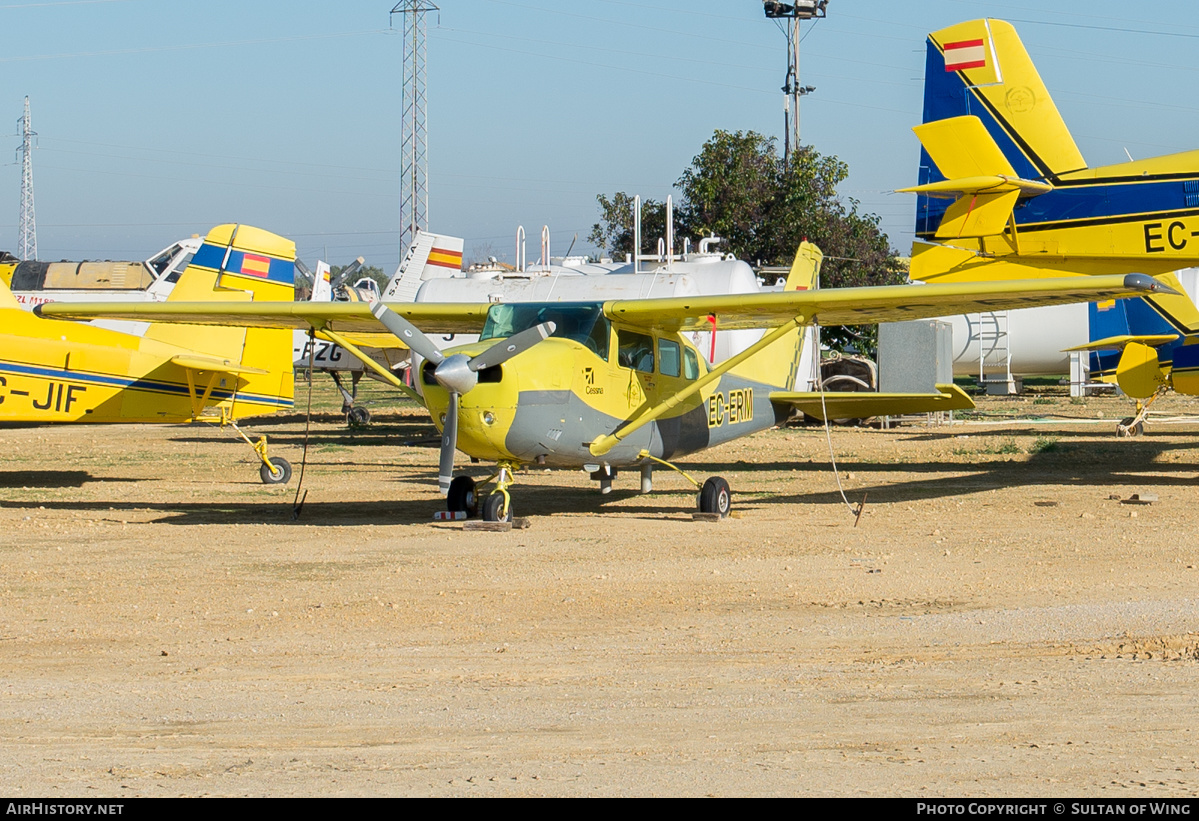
343, 276
457, 373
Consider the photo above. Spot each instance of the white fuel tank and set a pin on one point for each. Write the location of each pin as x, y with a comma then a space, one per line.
1034, 337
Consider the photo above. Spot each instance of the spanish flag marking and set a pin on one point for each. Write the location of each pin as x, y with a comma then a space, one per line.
255, 265
446, 259
965, 54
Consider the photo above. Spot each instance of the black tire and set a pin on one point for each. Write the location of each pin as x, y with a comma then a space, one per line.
281, 474
715, 497
492, 506
358, 417
461, 497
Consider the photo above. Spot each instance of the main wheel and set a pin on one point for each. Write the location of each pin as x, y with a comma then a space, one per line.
279, 473
492, 507
358, 417
461, 497
715, 497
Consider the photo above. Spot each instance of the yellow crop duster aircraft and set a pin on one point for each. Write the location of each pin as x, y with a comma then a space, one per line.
618, 384
58, 372
1005, 193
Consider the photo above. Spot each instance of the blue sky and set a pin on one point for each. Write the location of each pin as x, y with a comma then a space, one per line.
158, 119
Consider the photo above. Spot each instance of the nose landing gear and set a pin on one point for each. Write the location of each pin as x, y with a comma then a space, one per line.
464, 496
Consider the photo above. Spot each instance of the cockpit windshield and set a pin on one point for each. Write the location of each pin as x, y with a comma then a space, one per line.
584, 323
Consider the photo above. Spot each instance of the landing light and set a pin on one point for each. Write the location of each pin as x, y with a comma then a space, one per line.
488, 418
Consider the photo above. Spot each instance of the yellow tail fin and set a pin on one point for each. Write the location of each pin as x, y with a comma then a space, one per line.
240, 263
980, 67
805, 269
777, 364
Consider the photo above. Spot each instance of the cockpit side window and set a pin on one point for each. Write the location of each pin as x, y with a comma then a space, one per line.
668, 357
163, 260
174, 275
636, 351
690, 364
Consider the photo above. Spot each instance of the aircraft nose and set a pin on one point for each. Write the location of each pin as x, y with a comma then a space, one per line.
455, 374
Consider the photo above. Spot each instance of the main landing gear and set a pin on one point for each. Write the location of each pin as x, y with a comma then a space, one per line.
714, 494
356, 416
275, 470
1135, 425
464, 497
715, 497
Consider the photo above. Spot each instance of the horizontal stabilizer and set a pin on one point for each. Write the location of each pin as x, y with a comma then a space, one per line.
1118, 342
961, 147
979, 178
982, 184
199, 362
845, 405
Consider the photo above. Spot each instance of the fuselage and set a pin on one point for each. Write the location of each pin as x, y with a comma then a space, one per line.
548, 403
1144, 214
53, 371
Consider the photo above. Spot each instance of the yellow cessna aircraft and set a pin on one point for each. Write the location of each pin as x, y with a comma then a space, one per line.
618, 384
1005, 193
57, 372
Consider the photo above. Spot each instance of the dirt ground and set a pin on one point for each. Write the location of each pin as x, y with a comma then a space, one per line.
999, 623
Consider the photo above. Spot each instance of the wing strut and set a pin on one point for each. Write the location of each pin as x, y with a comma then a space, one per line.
387, 375
603, 444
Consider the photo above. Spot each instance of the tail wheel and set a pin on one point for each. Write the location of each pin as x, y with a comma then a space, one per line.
358, 417
715, 497
277, 473
462, 497
493, 508
1127, 428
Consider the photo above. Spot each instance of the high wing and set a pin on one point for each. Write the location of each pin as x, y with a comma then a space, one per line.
832, 306
865, 306
343, 317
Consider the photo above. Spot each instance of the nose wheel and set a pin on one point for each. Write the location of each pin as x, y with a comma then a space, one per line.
464, 496
497, 507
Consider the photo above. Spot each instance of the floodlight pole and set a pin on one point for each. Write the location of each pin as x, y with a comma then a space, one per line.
791, 15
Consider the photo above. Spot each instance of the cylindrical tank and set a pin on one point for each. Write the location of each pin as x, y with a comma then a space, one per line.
1035, 337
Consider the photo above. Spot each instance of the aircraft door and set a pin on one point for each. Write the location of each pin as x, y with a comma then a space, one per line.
635, 357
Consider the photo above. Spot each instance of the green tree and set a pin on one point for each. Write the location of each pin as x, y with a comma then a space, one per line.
614, 232
739, 188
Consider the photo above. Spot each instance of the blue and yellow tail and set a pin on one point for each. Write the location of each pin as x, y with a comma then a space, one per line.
991, 132
1138, 342
240, 263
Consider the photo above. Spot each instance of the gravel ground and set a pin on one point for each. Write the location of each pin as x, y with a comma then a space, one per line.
996, 623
